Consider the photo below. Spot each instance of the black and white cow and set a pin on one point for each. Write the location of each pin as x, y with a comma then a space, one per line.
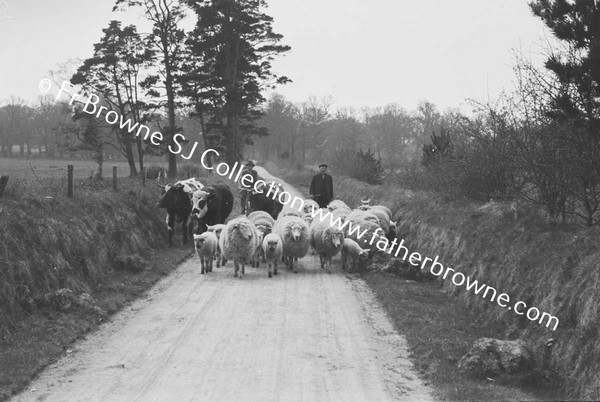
177, 200
212, 205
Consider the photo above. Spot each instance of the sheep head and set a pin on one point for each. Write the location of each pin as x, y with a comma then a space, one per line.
308, 219
335, 236
272, 245
243, 228
296, 230
363, 255
199, 240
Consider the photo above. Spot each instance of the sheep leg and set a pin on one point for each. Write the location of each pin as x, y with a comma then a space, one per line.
202, 265
218, 254
170, 228
343, 261
235, 271
328, 265
243, 267
275, 269
270, 265
210, 264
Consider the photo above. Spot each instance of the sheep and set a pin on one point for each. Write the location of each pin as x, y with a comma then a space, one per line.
294, 235
273, 250
362, 215
370, 234
308, 218
353, 253
342, 213
217, 229
310, 206
206, 247
391, 232
264, 224
337, 204
382, 218
385, 209
259, 216
327, 241
238, 242
364, 204
290, 212
258, 251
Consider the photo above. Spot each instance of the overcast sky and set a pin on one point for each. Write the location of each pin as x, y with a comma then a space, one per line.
360, 52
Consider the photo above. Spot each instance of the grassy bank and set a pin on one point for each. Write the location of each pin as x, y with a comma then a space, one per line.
67, 264
546, 265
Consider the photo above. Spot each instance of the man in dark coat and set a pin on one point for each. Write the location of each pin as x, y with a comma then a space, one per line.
321, 187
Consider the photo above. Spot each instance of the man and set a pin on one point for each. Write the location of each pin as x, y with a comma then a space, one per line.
321, 187
246, 190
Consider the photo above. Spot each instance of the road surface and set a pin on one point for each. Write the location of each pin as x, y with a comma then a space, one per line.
306, 336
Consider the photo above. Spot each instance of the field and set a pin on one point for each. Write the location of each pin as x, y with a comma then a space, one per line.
56, 169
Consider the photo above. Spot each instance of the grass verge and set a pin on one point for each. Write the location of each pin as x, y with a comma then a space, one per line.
439, 331
439, 327
42, 337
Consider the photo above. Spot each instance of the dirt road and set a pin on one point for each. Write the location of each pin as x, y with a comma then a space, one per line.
305, 336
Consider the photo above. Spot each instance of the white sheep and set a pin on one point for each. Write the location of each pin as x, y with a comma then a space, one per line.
294, 235
264, 224
354, 254
370, 234
238, 242
364, 204
382, 218
289, 212
342, 213
217, 229
362, 215
206, 246
260, 216
327, 241
272, 246
258, 251
385, 209
337, 204
310, 206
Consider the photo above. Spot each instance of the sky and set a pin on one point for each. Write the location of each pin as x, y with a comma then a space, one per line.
362, 53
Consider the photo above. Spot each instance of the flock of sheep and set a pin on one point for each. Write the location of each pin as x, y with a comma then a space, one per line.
248, 239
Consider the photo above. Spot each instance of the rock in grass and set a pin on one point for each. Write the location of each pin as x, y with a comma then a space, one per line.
490, 357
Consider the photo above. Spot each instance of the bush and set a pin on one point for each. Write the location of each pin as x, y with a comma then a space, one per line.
363, 166
152, 172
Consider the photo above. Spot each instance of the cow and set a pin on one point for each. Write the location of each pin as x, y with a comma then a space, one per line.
177, 200
211, 205
259, 201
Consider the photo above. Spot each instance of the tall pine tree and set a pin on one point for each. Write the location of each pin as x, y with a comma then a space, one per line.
235, 45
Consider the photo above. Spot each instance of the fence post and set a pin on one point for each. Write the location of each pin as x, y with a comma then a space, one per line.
3, 181
114, 177
144, 176
70, 180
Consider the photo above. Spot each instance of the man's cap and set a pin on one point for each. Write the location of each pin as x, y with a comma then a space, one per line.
250, 162
323, 164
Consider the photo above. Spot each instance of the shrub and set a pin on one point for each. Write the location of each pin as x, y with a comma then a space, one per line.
363, 166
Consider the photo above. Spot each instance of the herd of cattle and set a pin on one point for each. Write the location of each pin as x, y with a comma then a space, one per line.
271, 233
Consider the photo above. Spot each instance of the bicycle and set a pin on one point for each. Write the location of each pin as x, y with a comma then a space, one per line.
246, 194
